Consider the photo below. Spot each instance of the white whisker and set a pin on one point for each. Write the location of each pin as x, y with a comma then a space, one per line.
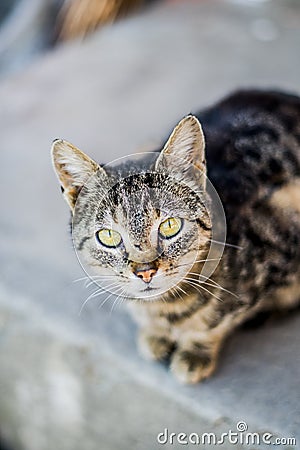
103, 278
180, 288
116, 299
226, 244
105, 300
95, 294
194, 283
199, 261
212, 283
177, 293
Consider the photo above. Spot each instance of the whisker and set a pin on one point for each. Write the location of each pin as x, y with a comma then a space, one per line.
95, 294
89, 280
194, 285
218, 287
122, 300
90, 277
226, 244
80, 279
198, 261
113, 305
180, 288
192, 281
109, 296
173, 292
198, 287
214, 283
177, 293
99, 279
116, 299
105, 300
89, 297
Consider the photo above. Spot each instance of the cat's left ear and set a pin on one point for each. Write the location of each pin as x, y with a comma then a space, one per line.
73, 169
184, 153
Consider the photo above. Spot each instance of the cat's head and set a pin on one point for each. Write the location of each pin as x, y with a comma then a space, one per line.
141, 226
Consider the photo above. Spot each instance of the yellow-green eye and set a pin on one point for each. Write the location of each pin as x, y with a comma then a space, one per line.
170, 227
109, 238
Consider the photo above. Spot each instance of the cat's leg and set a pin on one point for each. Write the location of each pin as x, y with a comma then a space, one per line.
201, 337
155, 343
196, 356
154, 337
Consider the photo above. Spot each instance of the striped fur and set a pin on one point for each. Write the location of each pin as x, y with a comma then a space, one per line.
253, 160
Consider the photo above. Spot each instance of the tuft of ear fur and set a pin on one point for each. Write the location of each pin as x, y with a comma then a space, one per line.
73, 168
184, 153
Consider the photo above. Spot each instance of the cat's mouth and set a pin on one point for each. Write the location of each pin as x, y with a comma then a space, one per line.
149, 288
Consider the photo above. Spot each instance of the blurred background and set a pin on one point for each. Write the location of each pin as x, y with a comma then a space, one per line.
113, 77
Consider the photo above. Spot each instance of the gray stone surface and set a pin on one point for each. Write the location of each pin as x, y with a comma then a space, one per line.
24, 32
71, 381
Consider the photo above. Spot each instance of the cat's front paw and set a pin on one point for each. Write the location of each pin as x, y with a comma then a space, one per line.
154, 347
191, 366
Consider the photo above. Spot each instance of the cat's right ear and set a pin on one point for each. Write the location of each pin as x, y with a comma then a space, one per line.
73, 168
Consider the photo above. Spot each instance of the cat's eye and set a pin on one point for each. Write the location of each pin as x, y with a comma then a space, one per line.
170, 227
109, 238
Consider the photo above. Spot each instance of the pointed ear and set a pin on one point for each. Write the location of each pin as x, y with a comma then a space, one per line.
184, 153
73, 168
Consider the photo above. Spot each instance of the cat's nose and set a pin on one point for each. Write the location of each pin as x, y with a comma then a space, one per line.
146, 275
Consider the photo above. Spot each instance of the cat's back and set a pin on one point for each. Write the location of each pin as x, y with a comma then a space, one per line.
252, 144
253, 160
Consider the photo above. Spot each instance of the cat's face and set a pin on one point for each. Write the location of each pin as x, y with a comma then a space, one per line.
139, 229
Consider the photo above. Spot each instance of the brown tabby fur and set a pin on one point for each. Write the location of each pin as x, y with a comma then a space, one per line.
253, 160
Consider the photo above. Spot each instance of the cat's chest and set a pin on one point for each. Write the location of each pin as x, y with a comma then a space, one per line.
177, 317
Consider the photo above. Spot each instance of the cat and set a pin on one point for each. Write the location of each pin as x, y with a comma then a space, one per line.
146, 226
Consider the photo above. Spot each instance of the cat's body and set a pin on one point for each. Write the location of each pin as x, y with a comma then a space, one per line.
253, 160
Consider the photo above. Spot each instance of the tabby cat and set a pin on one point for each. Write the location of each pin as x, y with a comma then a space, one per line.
146, 226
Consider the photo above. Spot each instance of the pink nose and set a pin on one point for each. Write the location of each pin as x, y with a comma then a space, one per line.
146, 275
